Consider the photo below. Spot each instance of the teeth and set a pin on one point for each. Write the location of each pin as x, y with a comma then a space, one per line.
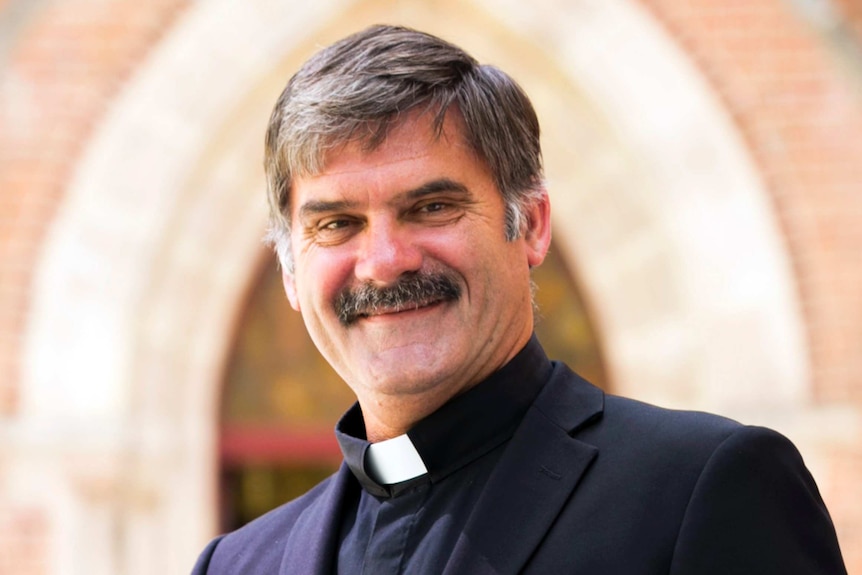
411, 306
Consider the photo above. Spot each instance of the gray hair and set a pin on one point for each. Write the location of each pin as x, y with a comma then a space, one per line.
357, 89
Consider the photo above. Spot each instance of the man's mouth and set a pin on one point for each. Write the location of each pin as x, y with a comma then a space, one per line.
408, 306
412, 292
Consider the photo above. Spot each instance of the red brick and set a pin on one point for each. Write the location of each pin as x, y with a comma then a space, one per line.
70, 61
24, 543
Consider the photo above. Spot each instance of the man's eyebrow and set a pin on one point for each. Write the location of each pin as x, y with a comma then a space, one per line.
313, 207
437, 186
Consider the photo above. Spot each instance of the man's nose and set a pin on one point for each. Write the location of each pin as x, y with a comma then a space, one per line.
387, 251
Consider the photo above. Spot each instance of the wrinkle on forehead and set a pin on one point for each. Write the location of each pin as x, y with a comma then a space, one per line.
451, 132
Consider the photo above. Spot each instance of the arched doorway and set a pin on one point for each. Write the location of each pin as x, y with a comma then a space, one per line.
281, 399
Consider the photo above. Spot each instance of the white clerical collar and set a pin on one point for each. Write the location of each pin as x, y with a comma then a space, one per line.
393, 461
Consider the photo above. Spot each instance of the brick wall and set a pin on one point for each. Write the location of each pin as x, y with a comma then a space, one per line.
66, 61
24, 541
851, 12
801, 114
847, 505
803, 122
59, 76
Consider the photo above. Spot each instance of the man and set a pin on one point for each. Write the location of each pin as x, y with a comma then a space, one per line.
408, 207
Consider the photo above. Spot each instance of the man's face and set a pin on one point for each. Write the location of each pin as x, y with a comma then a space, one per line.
423, 214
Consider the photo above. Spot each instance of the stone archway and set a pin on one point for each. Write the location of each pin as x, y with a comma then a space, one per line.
149, 258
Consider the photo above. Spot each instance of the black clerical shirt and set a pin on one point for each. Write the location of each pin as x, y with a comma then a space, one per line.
412, 527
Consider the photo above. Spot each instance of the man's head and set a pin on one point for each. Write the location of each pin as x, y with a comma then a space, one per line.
357, 89
405, 182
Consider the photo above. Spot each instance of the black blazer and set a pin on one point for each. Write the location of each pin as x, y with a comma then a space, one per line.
594, 484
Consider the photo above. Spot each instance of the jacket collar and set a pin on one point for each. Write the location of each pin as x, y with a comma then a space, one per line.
466, 427
535, 477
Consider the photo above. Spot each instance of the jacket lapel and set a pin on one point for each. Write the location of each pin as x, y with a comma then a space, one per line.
535, 477
312, 546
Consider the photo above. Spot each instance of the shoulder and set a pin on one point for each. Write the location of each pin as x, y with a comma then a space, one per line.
259, 544
619, 423
734, 497
278, 521
658, 424
664, 450
707, 441
637, 434
755, 501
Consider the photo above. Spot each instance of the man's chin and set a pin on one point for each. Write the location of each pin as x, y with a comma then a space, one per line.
408, 378
407, 356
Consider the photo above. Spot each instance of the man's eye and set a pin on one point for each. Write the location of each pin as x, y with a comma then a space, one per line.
434, 207
332, 231
334, 225
436, 212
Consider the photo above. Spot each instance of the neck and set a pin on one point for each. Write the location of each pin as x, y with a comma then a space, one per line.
390, 415
393, 416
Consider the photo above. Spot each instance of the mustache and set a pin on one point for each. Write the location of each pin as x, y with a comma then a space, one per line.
413, 290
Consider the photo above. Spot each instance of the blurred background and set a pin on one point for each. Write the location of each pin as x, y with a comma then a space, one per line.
704, 161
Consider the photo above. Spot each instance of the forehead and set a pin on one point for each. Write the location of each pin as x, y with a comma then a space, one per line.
412, 150
414, 134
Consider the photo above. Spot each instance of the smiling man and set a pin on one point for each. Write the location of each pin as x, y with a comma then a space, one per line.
403, 272
408, 207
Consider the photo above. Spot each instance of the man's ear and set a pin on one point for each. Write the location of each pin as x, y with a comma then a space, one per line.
537, 234
289, 281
